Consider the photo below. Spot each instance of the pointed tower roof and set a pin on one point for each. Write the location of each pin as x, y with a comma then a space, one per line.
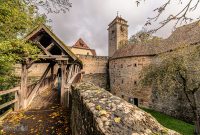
118, 19
81, 44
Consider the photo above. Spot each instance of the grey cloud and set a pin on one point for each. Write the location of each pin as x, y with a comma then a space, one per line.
89, 20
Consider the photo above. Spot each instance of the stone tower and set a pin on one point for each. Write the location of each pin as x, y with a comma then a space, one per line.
117, 34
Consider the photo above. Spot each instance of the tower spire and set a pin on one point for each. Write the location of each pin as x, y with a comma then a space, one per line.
117, 13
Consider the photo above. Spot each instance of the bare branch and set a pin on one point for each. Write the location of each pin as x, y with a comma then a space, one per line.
179, 18
51, 6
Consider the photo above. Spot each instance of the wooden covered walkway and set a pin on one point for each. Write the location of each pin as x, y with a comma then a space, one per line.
44, 116
43, 107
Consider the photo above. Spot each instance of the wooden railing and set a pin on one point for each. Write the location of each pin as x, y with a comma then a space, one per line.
46, 82
15, 101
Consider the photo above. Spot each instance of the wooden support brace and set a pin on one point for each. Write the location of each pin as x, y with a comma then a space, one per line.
49, 47
35, 90
43, 49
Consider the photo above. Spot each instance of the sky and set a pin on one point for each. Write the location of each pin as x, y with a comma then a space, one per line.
89, 19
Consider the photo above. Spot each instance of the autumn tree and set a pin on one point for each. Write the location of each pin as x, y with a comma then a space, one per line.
177, 70
140, 37
143, 36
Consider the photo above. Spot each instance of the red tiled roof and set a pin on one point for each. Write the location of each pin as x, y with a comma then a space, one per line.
80, 44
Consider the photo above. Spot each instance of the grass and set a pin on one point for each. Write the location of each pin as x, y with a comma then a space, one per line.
172, 123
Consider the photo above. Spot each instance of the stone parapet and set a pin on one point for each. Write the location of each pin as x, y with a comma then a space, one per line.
95, 111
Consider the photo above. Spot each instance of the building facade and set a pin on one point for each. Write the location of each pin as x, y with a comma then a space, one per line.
127, 62
81, 48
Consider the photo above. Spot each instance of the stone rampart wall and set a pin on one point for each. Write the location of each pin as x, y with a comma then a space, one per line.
124, 79
99, 79
95, 111
94, 64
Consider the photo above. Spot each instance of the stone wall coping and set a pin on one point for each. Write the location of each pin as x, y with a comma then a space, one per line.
114, 115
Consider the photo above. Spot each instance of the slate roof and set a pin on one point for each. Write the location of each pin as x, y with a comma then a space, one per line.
187, 34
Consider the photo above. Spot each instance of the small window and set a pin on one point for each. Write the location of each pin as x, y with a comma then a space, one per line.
122, 81
135, 65
113, 31
87, 53
121, 65
135, 82
122, 96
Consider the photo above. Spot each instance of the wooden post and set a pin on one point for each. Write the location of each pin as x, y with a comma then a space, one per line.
16, 105
63, 81
23, 88
52, 76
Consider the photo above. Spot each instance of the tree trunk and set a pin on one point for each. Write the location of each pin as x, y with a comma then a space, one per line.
196, 115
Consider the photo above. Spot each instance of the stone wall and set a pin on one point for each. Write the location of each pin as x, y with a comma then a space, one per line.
36, 70
173, 103
97, 112
81, 51
99, 79
94, 64
95, 70
124, 79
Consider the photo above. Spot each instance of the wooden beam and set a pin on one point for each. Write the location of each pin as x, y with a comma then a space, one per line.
38, 38
43, 49
52, 76
9, 91
7, 103
23, 88
56, 57
63, 81
49, 47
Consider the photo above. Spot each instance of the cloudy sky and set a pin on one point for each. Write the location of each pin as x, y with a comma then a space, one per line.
89, 19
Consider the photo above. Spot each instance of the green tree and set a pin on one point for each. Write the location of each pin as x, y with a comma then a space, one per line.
177, 70
15, 23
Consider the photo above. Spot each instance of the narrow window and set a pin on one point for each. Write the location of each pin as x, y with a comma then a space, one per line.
121, 65
135, 65
122, 81
135, 82
122, 96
